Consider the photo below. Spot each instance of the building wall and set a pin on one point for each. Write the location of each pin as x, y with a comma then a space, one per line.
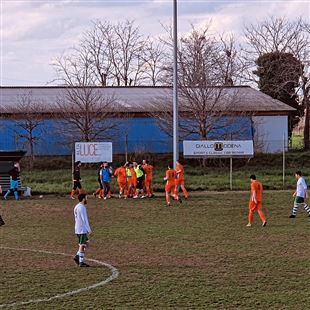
270, 132
145, 135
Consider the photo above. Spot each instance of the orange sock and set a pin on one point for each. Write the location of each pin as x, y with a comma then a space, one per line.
251, 216
168, 199
261, 215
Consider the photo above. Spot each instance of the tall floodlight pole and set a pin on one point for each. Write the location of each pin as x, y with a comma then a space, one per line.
175, 86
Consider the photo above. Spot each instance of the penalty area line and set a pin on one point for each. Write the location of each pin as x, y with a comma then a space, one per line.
114, 275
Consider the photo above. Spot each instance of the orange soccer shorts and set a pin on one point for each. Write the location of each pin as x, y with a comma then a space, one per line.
170, 187
255, 206
122, 185
179, 182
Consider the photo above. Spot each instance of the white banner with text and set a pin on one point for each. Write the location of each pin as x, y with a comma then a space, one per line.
93, 152
218, 148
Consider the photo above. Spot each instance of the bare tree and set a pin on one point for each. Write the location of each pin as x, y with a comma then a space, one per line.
155, 57
75, 69
115, 54
277, 34
86, 114
29, 116
207, 65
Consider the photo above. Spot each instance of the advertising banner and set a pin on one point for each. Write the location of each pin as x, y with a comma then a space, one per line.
93, 152
218, 148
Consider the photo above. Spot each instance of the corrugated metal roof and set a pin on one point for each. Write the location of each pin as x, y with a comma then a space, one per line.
146, 99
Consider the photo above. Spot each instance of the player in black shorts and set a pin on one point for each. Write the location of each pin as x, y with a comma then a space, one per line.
77, 186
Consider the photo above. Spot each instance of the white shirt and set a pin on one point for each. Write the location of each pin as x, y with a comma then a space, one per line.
301, 187
81, 219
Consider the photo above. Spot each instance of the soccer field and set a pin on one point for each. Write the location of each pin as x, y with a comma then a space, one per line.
198, 255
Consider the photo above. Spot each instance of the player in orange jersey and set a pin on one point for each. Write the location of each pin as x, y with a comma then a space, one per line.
131, 179
148, 169
180, 179
120, 173
170, 185
255, 203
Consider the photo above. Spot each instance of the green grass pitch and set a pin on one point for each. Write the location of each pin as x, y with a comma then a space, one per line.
198, 255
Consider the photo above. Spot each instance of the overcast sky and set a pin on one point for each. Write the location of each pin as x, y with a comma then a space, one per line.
34, 32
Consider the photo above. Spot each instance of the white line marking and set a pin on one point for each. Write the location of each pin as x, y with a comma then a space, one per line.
114, 275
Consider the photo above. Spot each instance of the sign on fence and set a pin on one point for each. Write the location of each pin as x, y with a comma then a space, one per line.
93, 152
218, 148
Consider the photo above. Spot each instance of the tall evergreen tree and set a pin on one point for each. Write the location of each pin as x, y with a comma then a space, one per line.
279, 75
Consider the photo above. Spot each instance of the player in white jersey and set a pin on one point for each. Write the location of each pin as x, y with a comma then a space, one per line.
82, 229
300, 195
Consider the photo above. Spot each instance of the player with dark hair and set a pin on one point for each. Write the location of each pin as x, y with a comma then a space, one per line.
77, 186
170, 185
140, 179
99, 190
148, 169
300, 195
105, 177
82, 229
255, 203
14, 176
120, 173
180, 179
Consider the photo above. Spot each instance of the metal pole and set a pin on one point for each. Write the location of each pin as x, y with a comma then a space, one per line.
72, 166
175, 87
231, 171
126, 147
283, 164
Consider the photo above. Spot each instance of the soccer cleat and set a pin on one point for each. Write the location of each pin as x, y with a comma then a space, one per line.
264, 224
105, 198
76, 259
249, 225
135, 197
142, 197
72, 197
1, 221
83, 264
292, 216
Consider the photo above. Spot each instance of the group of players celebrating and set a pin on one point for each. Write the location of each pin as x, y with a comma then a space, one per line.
134, 181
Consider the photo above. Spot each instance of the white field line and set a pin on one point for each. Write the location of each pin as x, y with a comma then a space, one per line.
114, 275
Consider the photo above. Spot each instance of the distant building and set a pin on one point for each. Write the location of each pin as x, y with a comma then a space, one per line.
266, 119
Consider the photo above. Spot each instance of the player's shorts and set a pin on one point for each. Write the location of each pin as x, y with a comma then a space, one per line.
148, 182
122, 184
179, 182
299, 199
13, 184
76, 185
82, 239
254, 206
170, 187
140, 183
132, 182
